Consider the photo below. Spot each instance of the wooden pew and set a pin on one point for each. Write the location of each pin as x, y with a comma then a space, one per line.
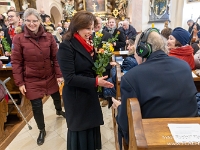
114, 112
118, 96
196, 81
3, 119
153, 134
13, 123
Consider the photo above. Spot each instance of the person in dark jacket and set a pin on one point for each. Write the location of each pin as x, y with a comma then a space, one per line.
2, 22
43, 15
120, 43
76, 58
35, 68
128, 30
162, 84
128, 63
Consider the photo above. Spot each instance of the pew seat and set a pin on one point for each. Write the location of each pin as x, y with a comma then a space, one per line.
154, 134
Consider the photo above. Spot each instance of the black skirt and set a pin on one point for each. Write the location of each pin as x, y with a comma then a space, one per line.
89, 139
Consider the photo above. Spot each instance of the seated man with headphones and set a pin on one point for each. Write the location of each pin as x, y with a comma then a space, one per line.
162, 84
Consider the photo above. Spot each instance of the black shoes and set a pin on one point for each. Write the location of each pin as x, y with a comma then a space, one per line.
60, 113
41, 137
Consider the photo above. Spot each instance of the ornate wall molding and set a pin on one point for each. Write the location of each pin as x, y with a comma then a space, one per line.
110, 6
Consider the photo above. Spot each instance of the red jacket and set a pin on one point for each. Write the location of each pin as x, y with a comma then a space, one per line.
185, 53
34, 64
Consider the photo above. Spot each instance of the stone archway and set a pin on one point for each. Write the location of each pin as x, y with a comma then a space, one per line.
55, 15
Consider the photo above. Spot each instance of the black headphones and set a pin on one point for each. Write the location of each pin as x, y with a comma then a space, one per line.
144, 49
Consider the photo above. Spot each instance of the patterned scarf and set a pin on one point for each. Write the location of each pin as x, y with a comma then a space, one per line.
111, 30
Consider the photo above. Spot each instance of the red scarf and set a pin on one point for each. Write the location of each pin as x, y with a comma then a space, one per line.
11, 32
184, 53
88, 47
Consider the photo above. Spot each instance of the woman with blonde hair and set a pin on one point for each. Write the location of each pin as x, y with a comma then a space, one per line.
35, 68
128, 63
120, 43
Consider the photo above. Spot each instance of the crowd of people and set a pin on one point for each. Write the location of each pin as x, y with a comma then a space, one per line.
158, 64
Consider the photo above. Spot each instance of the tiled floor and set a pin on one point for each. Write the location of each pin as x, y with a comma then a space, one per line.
57, 132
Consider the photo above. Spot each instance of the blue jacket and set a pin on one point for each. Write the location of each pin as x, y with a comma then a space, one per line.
128, 63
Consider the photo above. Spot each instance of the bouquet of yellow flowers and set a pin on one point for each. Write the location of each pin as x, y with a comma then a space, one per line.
103, 58
104, 54
97, 39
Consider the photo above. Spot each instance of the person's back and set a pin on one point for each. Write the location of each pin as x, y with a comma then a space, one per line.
162, 84
165, 90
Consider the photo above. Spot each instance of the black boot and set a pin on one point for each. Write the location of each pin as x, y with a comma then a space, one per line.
60, 113
41, 137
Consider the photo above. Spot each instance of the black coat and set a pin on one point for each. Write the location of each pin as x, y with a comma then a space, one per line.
121, 40
80, 96
7, 36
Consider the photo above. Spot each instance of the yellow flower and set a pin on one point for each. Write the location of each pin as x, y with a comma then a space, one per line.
101, 35
104, 46
118, 32
1, 37
111, 49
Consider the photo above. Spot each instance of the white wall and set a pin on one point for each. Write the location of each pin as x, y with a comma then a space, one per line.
191, 10
180, 11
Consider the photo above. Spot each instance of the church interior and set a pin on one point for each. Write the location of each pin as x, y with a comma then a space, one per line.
15, 133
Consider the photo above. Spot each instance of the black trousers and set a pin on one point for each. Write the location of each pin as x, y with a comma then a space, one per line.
37, 108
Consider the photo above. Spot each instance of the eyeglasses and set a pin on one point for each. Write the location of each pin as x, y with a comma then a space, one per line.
10, 16
33, 21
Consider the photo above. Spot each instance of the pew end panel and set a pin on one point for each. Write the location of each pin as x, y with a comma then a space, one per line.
154, 134
3, 119
136, 133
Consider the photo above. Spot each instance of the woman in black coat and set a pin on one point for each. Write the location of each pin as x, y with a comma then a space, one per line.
76, 58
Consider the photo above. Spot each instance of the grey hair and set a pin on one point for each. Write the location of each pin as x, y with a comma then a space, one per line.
157, 41
32, 11
126, 21
190, 20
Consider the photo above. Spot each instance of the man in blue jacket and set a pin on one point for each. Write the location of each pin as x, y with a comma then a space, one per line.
162, 84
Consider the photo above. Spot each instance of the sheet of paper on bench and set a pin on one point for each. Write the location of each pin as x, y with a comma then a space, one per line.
123, 52
3, 57
194, 75
185, 132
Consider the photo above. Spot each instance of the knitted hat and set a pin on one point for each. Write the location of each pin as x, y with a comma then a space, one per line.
198, 34
181, 35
